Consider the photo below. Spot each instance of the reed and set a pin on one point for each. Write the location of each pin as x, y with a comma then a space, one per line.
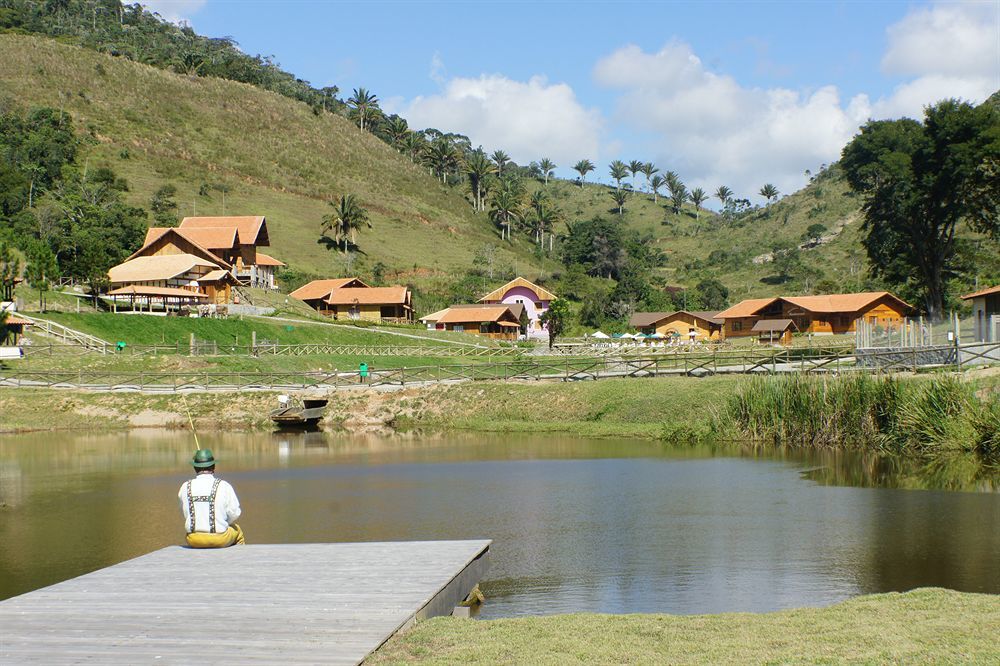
864, 411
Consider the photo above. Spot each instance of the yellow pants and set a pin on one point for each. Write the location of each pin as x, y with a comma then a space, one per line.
231, 537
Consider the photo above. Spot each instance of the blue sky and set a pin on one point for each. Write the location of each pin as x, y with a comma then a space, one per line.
737, 93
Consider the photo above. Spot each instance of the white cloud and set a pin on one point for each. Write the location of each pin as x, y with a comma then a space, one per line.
960, 39
714, 131
527, 119
175, 11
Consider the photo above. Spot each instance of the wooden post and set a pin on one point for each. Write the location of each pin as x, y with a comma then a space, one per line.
191, 345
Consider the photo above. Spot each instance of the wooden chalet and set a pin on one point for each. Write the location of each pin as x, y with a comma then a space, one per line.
497, 321
350, 298
534, 299
181, 278
684, 324
12, 329
986, 313
207, 256
828, 314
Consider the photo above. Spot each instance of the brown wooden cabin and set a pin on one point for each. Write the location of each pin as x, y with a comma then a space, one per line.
682, 323
350, 298
498, 321
774, 331
827, 314
985, 311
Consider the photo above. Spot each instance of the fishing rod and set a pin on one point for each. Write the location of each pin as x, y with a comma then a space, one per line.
190, 420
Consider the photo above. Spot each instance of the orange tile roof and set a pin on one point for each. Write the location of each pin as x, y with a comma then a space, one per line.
321, 288
829, 303
154, 234
982, 292
498, 293
267, 260
14, 320
219, 238
369, 296
252, 228
455, 315
745, 308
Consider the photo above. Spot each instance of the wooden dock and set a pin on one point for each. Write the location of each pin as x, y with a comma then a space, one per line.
287, 603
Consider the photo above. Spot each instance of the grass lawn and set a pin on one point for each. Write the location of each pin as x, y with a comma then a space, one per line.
922, 626
140, 329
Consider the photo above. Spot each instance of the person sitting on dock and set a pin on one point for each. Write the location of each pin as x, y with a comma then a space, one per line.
210, 506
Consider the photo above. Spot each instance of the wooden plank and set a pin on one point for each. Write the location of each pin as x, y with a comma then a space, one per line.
294, 603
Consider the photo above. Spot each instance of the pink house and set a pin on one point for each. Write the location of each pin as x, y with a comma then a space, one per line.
535, 300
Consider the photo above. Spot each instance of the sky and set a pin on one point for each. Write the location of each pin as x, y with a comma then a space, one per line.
724, 93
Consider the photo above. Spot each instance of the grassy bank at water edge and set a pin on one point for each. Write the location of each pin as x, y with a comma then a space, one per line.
922, 626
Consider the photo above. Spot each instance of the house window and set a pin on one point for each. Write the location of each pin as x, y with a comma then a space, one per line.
354, 312
737, 326
484, 327
458, 327
538, 304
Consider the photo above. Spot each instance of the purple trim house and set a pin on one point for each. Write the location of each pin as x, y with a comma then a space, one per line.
535, 300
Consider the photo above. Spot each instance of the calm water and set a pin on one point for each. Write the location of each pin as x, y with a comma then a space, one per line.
579, 525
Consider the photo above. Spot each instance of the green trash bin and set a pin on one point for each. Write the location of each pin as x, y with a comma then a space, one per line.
120, 346
363, 372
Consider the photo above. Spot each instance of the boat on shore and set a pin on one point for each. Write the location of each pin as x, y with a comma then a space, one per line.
298, 413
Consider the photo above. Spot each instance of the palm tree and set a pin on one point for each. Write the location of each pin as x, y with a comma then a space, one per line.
397, 130
620, 197
414, 145
678, 194
655, 183
505, 206
648, 169
723, 194
477, 167
769, 192
671, 179
634, 167
500, 158
442, 158
547, 166
348, 215
364, 106
583, 167
697, 197
619, 172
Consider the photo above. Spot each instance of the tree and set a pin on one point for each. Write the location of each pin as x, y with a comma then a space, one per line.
918, 182
348, 215
547, 166
635, 167
814, 233
396, 130
10, 271
712, 294
506, 206
655, 183
648, 170
678, 195
556, 318
500, 158
42, 268
620, 197
619, 172
164, 207
769, 192
477, 167
364, 107
442, 157
723, 194
543, 217
697, 197
583, 167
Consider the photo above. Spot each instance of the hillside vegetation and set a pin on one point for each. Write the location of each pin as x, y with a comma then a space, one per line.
233, 148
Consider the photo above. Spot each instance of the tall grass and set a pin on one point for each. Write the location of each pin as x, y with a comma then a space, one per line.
862, 411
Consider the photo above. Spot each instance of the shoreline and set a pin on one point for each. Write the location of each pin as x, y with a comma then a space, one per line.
925, 625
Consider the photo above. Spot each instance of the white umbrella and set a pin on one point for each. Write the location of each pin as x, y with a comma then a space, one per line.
626, 336
602, 336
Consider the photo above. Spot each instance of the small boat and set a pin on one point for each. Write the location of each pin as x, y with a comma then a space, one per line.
296, 413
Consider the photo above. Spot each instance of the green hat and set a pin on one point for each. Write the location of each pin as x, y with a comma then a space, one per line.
203, 458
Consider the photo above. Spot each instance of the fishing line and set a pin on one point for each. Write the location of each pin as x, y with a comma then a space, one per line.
190, 420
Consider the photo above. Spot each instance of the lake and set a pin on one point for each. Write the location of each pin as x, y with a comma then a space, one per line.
579, 525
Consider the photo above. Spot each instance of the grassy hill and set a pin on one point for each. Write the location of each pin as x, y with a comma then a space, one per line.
273, 155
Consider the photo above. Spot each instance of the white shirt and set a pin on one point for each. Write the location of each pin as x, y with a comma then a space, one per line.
227, 507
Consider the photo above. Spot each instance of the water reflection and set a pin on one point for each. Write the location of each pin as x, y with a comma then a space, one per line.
579, 525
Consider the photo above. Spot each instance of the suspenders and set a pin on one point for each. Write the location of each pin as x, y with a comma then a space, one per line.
203, 498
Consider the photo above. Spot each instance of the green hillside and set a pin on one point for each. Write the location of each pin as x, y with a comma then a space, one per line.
273, 155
